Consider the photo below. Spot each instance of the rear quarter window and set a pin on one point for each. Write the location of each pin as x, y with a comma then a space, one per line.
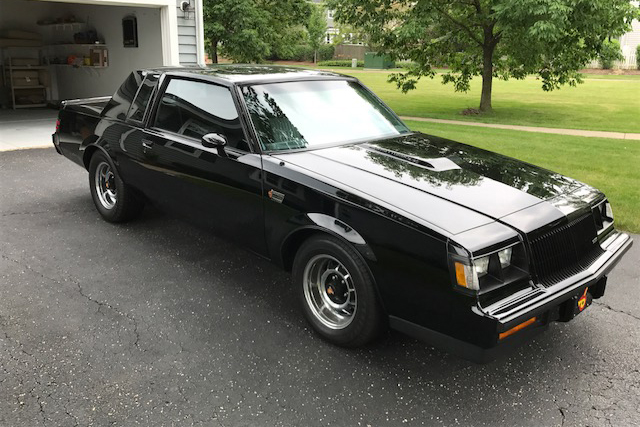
141, 101
120, 102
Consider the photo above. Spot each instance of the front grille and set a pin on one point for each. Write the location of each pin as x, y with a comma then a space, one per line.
564, 251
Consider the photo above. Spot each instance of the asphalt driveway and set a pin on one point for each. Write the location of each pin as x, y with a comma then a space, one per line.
159, 323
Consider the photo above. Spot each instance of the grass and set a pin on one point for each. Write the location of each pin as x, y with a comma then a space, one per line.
632, 77
610, 104
611, 165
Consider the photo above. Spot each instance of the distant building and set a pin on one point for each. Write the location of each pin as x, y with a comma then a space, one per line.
332, 30
629, 43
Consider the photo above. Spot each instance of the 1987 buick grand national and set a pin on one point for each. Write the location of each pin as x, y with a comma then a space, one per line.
467, 249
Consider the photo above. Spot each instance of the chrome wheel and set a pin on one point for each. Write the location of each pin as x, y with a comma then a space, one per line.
105, 182
329, 291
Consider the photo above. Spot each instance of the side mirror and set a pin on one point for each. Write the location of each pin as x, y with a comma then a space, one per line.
215, 140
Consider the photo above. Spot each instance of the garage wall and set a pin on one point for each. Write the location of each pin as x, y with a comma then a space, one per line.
69, 82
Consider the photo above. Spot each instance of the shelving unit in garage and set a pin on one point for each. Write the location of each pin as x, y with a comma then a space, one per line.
25, 77
75, 45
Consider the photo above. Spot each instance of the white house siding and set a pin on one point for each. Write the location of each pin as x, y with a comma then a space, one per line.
187, 35
629, 43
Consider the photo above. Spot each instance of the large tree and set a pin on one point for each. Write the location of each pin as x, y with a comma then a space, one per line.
490, 38
316, 28
249, 30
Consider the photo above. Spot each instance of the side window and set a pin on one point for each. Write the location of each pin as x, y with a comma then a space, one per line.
120, 102
142, 98
194, 109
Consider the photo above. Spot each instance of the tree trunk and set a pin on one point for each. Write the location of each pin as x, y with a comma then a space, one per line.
214, 51
487, 76
315, 56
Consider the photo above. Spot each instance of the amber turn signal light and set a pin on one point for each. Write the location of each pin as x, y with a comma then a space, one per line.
516, 328
466, 276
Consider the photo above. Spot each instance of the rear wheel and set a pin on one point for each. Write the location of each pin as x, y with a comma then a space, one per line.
114, 200
337, 292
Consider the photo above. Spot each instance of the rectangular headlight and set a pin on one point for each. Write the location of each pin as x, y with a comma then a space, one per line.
505, 257
487, 272
608, 212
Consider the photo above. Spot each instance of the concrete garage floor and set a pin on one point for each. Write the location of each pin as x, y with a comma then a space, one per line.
27, 128
159, 323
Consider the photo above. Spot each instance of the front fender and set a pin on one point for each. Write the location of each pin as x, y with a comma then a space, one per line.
318, 222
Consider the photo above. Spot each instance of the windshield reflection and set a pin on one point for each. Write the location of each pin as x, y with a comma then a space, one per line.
309, 114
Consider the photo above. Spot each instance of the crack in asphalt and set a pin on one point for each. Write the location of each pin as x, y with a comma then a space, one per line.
71, 211
564, 417
607, 306
100, 304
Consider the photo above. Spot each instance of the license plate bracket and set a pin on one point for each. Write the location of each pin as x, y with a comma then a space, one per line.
575, 305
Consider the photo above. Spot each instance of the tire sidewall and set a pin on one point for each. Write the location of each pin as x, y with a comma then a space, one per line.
367, 310
97, 158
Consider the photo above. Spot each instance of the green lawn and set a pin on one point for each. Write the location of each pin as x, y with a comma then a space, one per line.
632, 77
610, 165
611, 104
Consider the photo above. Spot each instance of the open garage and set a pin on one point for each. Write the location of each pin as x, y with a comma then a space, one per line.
62, 50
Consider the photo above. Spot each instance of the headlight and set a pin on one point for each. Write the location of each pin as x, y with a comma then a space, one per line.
490, 271
603, 216
505, 257
608, 212
481, 265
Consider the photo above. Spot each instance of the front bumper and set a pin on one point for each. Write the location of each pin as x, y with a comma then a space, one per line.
537, 300
545, 304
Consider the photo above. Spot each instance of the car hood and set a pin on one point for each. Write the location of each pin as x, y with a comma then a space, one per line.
417, 164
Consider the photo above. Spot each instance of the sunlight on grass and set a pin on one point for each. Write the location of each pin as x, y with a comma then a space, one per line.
598, 104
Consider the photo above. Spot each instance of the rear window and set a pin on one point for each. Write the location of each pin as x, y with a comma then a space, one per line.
120, 102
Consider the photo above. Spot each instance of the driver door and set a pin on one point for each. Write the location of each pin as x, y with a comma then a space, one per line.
216, 188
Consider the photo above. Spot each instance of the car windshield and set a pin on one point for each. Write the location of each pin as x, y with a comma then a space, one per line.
309, 114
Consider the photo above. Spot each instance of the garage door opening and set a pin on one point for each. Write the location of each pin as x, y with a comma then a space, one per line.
51, 51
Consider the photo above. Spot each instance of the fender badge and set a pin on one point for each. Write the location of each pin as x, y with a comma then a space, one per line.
275, 196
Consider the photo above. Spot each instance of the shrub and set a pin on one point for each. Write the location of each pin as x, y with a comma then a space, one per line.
326, 52
638, 56
302, 53
339, 63
610, 52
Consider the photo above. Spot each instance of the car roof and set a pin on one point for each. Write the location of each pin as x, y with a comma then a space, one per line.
252, 73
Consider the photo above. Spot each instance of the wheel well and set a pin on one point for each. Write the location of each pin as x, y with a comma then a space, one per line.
88, 153
292, 244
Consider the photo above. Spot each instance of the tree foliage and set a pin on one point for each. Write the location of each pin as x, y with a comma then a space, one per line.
249, 30
610, 53
489, 38
316, 28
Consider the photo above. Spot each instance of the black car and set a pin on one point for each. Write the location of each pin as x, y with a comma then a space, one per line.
380, 226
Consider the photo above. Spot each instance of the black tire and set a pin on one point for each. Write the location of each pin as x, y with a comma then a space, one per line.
114, 200
317, 257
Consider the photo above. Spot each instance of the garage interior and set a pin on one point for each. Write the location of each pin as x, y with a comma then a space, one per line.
51, 51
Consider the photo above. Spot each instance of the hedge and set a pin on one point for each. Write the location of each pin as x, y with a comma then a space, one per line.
339, 63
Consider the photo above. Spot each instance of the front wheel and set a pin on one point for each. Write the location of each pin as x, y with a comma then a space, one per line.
337, 292
114, 200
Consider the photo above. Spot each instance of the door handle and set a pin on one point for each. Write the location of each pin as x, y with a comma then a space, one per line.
147, 144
